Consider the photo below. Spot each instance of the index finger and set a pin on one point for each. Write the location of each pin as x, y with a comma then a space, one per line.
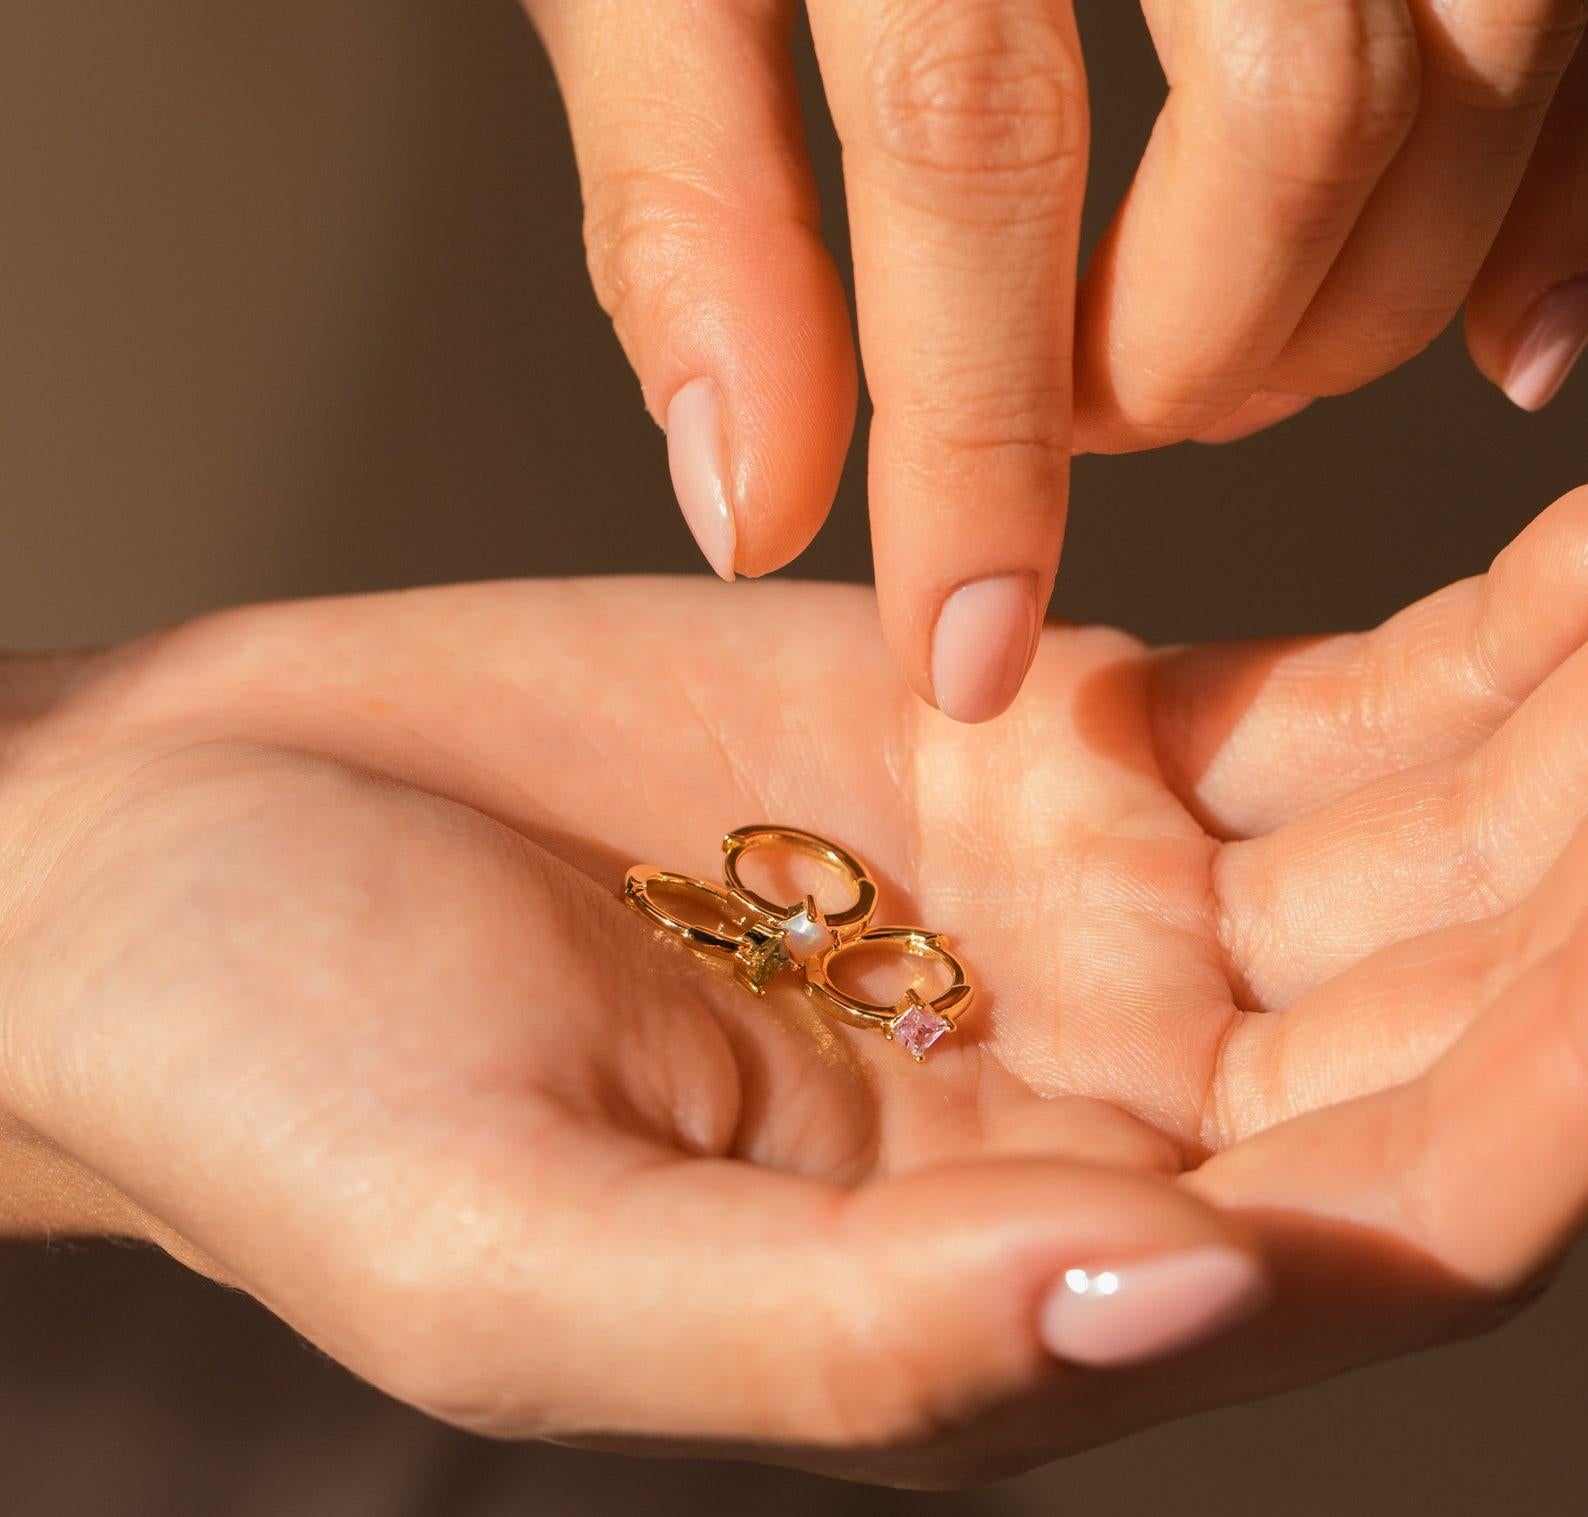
964, 125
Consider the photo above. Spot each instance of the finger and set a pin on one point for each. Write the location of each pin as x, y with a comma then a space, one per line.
702, 230
1252, 735
1527, 317
1453, 841
1490, 68
709, 1300
1263, 409
1475, 1168
965, 133
1280, 120
1387, 1019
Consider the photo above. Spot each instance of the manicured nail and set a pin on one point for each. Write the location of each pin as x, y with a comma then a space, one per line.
1262, 409
700, 481
982, 645
1149, 1306
1551, 339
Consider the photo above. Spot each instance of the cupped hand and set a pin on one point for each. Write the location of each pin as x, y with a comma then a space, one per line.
1325, 185
313, 969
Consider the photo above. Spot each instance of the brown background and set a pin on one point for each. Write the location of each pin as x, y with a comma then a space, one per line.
291, 301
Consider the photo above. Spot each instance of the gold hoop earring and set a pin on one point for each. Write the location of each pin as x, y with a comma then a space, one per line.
911, 1022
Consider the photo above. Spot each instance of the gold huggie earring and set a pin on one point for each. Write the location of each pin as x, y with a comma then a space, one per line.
755, 949
779, 934
761, 937
915, 1025
637, 887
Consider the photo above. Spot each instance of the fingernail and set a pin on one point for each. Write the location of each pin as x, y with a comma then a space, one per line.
982, 645
1149, 1306
695, 460
1264, 408
1552, 337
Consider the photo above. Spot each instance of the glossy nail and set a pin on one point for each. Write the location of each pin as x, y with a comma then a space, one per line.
982, 645
695, 460
1551, 339
1150, 1306
1263, 409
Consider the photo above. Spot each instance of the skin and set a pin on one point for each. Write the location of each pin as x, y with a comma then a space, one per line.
1321, 192
313, 972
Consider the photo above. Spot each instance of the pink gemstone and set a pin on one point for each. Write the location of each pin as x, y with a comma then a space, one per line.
917, 1029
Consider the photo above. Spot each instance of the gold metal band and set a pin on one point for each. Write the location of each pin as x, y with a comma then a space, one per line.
760, 950
637, 886
845, 923
916, 1022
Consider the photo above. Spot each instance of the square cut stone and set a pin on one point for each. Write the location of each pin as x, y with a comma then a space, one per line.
917, 1028
762, 957
805, 933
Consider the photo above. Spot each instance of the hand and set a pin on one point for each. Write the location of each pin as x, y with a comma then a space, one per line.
1322, 191
314, 971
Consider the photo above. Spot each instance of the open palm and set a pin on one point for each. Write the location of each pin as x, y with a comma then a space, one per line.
315, 971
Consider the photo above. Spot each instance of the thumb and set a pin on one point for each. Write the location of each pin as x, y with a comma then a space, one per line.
702, 231
714, 1301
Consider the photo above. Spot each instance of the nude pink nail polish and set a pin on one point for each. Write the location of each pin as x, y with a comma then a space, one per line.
695, 461
1148, 1307
1553, 335
982, 645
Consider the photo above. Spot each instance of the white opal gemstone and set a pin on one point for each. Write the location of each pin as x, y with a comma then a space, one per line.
805, 935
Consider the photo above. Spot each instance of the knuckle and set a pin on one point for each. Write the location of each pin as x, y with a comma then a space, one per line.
640, 236
1551, 555
1368, 343
1477, 861
868, 1393
1322, 92
1166, 408
989, 416
441, 1386
1368, 335
425, 1347
978, 91
1505, 55
865, 1381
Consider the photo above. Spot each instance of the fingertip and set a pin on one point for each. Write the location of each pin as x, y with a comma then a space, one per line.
797, 389
982, 645
761, 393
1142, 1309
1545, 345
696, 460
1058, 1262
1527, 311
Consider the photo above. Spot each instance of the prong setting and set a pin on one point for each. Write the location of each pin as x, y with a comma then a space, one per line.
916, 1027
